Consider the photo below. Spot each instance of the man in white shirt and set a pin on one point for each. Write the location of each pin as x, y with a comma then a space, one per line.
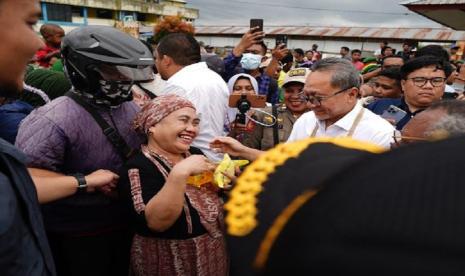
332, 91
178, 62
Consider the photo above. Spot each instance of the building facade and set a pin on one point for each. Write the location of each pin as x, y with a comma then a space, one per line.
74, 13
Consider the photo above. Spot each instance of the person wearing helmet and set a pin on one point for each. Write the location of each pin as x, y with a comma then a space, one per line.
89, 129
102, 68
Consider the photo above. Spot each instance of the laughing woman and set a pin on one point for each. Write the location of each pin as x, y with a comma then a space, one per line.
177, 226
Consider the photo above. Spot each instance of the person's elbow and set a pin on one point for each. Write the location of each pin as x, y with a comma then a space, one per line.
158, 226
161, 223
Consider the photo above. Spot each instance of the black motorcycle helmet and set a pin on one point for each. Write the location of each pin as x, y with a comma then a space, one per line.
103, 63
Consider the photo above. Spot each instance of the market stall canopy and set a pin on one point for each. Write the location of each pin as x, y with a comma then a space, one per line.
450, 13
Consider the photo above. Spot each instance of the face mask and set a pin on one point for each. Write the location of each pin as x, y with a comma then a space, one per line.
458, 87
114, 92
250, 61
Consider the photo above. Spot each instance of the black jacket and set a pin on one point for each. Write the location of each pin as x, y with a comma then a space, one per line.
24, 247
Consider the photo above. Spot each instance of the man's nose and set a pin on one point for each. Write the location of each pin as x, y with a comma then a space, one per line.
428, 84
311, 105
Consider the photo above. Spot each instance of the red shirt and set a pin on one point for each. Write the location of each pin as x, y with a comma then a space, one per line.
358, 65
41, 55
316, 56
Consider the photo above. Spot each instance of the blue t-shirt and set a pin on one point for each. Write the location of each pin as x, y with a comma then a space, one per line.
11, 115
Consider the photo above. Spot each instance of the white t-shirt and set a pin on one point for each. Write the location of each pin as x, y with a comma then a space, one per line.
449, 89
371, 128
209, 94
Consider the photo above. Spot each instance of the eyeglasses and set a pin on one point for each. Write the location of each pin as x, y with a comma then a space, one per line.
400, 139
420, 81
316, 100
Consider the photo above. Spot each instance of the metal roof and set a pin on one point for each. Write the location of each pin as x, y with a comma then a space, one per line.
422, 34
433, 2
449, 13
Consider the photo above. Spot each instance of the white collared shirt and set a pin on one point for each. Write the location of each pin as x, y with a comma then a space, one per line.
209, 94
371, 128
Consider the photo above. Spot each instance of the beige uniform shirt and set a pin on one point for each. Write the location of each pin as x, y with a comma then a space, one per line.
262, 137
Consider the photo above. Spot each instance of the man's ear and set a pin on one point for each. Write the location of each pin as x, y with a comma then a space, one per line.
166, 60
402, 85
354, 93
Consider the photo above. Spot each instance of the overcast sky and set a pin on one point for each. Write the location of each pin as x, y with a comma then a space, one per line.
349, 13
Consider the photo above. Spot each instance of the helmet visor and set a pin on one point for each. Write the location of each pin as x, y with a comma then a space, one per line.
125, 73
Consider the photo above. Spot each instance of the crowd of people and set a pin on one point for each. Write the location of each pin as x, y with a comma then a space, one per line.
101, 134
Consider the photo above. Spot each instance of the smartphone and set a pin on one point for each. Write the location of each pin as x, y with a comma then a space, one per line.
258, 101
281, 39
394, 113
257, 23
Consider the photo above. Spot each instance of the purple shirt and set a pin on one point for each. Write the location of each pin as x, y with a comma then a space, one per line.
62, 136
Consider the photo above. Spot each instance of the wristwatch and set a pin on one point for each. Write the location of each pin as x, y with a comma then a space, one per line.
82, 184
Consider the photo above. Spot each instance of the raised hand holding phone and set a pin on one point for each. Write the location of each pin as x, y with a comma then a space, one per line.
256, 24
281, 40
251, 37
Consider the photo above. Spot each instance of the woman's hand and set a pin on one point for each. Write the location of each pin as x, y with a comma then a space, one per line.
166, 206
195, 164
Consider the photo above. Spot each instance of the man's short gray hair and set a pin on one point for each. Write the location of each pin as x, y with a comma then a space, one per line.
453, 123
344, 74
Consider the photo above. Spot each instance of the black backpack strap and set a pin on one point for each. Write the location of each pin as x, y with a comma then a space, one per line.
111, 133
274, 111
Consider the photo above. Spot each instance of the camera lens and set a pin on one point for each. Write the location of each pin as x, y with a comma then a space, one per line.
243, 105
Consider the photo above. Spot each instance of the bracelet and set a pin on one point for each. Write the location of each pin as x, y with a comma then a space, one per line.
82, 183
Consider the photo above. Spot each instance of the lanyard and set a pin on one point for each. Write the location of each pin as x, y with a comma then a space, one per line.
352, 128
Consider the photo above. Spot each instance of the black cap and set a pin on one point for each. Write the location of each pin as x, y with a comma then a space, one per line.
398, 213
300, 166
333, 210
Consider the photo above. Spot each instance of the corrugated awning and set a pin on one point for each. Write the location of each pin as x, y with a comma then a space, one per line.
421, 34
450, 13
